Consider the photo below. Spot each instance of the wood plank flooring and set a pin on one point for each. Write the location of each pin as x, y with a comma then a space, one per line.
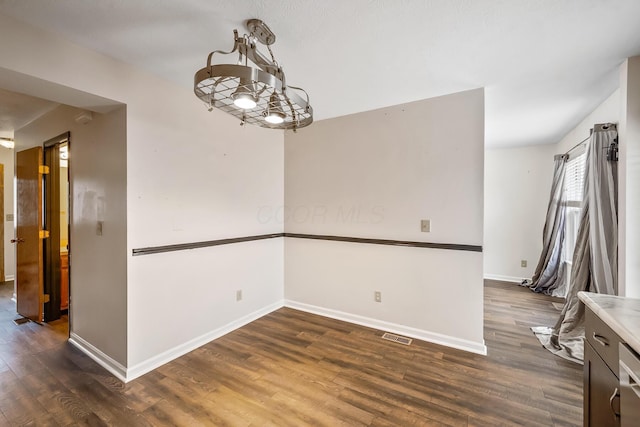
291, 368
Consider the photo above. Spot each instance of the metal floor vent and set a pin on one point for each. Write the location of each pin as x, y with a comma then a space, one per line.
396, 338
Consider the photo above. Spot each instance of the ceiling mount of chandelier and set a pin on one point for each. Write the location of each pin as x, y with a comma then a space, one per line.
254, 89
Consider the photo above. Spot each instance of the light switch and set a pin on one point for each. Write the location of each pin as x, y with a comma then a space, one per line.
425, 225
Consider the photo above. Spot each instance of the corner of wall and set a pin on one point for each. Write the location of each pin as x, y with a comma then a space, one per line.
629, 176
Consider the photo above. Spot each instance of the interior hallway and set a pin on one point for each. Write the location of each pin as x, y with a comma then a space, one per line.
293, 368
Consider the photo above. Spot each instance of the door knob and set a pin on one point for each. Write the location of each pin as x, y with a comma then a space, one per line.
18, 240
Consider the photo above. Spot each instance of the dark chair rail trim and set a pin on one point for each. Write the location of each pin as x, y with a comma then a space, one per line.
196, 245
405, 243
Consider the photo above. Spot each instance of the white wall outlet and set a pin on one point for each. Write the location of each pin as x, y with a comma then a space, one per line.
378, 296
425, 225
239, 295
523, 263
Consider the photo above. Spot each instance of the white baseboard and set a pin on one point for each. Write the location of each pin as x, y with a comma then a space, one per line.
513, 279
182, 349
102, 359
9, 278
128, 374
433, 337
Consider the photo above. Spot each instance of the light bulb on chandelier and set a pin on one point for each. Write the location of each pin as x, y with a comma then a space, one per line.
274, 113
244, 97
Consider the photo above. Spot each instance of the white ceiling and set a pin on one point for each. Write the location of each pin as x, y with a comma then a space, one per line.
17, 110
545, 63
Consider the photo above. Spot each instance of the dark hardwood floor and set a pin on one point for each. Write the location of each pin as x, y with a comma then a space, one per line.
293, 369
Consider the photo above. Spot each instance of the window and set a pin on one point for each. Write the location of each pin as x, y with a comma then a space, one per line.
573, 195
574, 180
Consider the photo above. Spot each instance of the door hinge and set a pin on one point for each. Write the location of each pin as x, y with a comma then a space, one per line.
46, 298
44, 234
44, 170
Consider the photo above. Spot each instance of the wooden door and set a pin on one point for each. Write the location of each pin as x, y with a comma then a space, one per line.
29, 283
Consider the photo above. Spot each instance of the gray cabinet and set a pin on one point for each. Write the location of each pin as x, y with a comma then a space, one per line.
601, 367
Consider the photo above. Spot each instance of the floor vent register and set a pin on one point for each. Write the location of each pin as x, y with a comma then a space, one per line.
396, 338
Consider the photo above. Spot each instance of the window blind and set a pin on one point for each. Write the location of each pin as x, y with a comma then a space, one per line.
574, 180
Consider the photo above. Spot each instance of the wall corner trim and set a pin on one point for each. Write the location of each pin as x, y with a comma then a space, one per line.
101, 358
167, 356
432, 337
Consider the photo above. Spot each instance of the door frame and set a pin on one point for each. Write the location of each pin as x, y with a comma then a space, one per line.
51, 223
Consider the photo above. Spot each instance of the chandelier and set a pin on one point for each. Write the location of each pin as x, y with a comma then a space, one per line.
254, 89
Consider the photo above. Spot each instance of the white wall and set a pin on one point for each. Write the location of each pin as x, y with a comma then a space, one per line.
191, 176
517, 186
607, 112
517, 190
376, 175
197, 176
629, 174
98, 273
7, 159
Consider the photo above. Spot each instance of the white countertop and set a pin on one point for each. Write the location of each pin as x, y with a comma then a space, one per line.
620, 313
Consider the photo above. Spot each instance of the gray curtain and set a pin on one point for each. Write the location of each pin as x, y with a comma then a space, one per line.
595, 260
549, 273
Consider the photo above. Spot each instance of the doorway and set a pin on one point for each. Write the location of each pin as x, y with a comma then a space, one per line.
56, 222
42, 231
